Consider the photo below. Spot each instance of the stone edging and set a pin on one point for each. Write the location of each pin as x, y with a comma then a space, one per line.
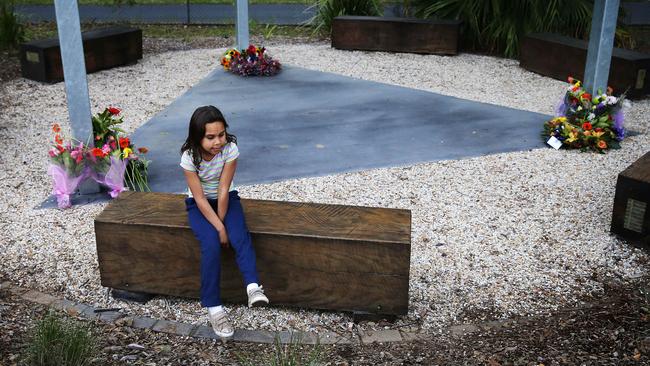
201, 331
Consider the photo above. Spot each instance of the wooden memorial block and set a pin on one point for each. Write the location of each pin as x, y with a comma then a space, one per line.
558, 57
103, 49
395, 34
308, 255
631, 216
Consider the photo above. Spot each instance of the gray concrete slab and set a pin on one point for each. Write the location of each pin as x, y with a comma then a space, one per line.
304, 123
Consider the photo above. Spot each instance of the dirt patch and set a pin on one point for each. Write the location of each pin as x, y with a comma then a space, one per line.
612, 330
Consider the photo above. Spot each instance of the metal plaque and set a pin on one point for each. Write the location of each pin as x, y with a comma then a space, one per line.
32, 57
640, 79
634, 214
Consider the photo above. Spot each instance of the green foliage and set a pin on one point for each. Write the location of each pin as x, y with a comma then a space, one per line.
12, 32
60, 342
327, 10
497, 26
291, 354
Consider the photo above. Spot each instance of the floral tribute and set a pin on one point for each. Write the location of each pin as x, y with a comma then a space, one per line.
111, 160
587, 122
253, 61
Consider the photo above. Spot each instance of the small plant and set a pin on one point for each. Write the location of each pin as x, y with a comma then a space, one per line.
60, 342
327, 10
291, 354
12, 32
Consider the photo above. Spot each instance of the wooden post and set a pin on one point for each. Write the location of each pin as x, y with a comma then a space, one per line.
601, 44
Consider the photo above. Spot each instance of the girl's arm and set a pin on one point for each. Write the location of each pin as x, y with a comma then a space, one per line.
225, 181
204, 206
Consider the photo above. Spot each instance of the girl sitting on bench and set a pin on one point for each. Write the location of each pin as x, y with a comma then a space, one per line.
209, 159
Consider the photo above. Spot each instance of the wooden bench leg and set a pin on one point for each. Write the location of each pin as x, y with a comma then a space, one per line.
125, 295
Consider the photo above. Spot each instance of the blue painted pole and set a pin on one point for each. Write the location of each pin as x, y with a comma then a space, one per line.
242, 24
74, 74
601, 45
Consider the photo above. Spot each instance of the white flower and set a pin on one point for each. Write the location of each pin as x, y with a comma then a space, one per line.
611, 100
579, 108
591, 116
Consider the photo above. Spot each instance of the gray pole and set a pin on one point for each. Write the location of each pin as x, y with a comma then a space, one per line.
601, 45
74, 73
242, 24
74, 68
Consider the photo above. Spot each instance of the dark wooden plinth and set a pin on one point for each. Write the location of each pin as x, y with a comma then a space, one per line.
308, 255
103, 49
631, 215
395, 34
559, 57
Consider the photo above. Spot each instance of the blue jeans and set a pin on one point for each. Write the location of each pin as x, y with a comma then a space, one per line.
207, 235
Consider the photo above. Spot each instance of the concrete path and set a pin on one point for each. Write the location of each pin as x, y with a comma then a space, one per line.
304, 123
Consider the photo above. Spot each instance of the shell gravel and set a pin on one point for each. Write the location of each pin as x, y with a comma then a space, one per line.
494, 236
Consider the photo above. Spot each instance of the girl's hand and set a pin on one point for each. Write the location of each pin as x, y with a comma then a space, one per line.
223, 238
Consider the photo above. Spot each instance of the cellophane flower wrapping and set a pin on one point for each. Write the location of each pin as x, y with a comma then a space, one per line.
64, 184
113, 178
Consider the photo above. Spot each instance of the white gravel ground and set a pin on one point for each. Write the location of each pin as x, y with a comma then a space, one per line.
494, 236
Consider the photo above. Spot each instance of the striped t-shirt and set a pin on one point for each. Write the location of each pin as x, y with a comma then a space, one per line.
210, 171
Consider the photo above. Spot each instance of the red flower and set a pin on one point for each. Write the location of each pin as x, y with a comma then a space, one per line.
114, 111
601, 144
98, 153
143, 150
251, 50
586, 96
58, 139
60, 148
570, 79
124, 142
598, 129
56, 128
586, 126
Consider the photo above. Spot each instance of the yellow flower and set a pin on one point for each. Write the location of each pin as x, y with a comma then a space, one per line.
598, 134
572, 136
126, 152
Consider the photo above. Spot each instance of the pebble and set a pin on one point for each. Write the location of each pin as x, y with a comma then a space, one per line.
522, 232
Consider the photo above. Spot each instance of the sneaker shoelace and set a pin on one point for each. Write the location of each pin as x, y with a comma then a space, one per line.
257, 291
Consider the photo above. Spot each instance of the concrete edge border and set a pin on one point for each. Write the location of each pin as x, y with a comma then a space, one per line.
115, 316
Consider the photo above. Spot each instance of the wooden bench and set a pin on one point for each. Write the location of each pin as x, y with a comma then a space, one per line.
308, 255
103, 49
558, 57
631, 214
395, 34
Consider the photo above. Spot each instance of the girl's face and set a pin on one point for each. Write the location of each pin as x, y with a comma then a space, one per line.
214, 139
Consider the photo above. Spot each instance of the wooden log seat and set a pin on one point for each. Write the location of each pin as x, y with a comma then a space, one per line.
103, 49
395, 34
558, 57
631, 214
309, 255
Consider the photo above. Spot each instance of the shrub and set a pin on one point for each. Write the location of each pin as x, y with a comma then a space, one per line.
497, 25
60, 342
327, 10
12, 32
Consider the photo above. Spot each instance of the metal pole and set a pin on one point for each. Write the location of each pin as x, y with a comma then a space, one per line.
187, 3
601, 45
74, 74
242, 24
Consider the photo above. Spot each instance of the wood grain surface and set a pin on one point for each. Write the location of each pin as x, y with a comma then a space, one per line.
308, 255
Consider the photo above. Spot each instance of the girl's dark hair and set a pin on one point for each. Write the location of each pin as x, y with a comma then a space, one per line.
201, 117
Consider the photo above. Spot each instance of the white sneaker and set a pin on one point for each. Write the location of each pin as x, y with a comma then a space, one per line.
256, 297
221, 325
